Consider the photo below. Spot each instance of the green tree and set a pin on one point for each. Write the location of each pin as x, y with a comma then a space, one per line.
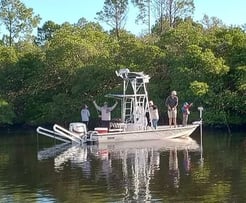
174, 9
166, 13
230, 43
23, 83
211, 22
114, 14
144, 15
8, 58
46, 32
77, 60
18, 20
84, 24
136, 54
6, 112
73, 47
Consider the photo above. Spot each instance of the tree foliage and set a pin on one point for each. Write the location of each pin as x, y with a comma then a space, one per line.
46, 32
166, 13
6, 112
144, 15
114, 14
47, 84
19, 21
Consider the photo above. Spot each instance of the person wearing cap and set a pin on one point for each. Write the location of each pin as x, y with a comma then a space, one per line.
105, 113
85, 115
172, 103
186, 111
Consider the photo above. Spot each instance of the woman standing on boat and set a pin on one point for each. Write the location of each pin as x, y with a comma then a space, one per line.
105, 113
154, 114
172, 103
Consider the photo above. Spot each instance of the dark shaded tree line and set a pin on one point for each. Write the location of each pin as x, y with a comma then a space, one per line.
48, 78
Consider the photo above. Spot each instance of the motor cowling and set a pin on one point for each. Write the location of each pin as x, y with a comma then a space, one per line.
79, 128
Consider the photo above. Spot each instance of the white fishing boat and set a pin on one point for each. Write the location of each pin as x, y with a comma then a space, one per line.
132, 125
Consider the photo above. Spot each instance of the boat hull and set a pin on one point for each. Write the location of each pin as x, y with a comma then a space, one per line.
163, 132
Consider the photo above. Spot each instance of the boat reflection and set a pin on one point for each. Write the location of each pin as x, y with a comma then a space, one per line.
141, 161
53, 151
75, 154
137, 165
163, 145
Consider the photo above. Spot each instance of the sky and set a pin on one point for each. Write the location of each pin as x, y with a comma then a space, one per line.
231, 12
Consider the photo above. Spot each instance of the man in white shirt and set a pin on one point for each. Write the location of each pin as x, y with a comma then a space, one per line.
105, 113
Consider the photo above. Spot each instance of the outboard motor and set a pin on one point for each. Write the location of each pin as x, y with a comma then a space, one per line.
79, 128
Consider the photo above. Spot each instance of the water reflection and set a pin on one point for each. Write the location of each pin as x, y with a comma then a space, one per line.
29, 171
75, 154
131, 166
187, 161
52, 151
174, 168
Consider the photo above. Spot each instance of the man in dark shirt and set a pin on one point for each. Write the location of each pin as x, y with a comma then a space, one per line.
172, 103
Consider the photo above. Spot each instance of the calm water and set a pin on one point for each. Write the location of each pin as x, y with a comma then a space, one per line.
36, 169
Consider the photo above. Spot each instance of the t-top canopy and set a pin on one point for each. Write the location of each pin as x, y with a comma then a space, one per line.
126, 74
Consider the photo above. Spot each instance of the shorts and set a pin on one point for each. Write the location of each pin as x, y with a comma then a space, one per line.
172, 113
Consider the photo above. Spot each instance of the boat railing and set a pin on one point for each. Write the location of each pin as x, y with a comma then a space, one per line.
52, 134
118, 125
68, 134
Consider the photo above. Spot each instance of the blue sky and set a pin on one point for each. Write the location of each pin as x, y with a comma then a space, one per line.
231, 12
